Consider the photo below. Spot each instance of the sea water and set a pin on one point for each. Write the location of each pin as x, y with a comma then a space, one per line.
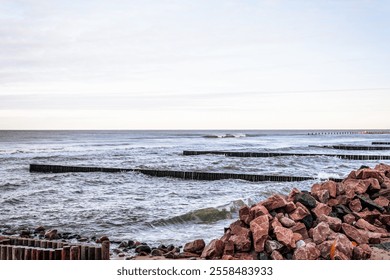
133, 206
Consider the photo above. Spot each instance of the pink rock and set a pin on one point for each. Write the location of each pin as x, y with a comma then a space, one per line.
301, 229
362, 252
286, 222
349, 219
195, 246
368, 215
321, 209
271, 245
324, 248
321, 232
229, 248
259, 228
275, 223
297, 237
373, 184
240, 235
341, 199
334, 223
290, 206
356, 185
382, 167
352, 175
244, 256
237, 227
331, 186
226, 235
385, 219
292, 194
213, 250
244, 214
340, 189
363, 224
382, 201
274, 202
323, 196
370, 173
285, 236
355, 205
299, 213
228, 258
275, 255
354, 234
308, 251
51, 234
258, 210
342, 247
318, 191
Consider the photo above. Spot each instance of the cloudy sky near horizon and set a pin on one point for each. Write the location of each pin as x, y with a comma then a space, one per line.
207, 64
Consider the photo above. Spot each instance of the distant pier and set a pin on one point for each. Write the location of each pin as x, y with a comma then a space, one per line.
272, 154
380, 143
353, 147
186, 175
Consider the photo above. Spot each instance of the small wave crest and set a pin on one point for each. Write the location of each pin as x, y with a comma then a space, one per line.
227, 135
12, 201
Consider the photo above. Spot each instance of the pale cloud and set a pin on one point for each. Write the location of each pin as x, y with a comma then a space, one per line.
199, 56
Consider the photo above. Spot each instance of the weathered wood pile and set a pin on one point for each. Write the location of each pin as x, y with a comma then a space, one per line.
332, 221
17, 248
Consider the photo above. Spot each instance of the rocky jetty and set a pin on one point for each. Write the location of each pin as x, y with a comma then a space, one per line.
338, 221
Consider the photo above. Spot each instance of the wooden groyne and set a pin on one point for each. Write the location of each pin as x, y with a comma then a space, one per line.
380, 143
186, 175
16, 248
274, 154
353, 147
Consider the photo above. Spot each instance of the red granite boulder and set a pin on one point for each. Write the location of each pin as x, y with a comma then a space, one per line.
274, 202
259, 228
308, 251
354, 234
321, 232
285, 236
213, 250
195, 247
321, 209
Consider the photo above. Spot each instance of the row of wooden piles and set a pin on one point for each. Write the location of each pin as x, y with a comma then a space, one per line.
15, 248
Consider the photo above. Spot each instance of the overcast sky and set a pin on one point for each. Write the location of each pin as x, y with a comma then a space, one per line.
213, 64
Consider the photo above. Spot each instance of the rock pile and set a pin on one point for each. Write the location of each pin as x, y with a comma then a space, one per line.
332, 221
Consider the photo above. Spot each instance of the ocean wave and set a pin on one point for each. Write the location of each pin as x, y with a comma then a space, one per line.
227, 135
12, 201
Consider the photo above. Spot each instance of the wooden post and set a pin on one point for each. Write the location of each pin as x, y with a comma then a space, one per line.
52, 255
39, 254
66, 253
16, 253
3, 252
58, 254
106, 250
44, 244
84, 252
74, 253
98, 253
9, 252
91, 253
31, 242
46, 254
34, 253
27, 253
